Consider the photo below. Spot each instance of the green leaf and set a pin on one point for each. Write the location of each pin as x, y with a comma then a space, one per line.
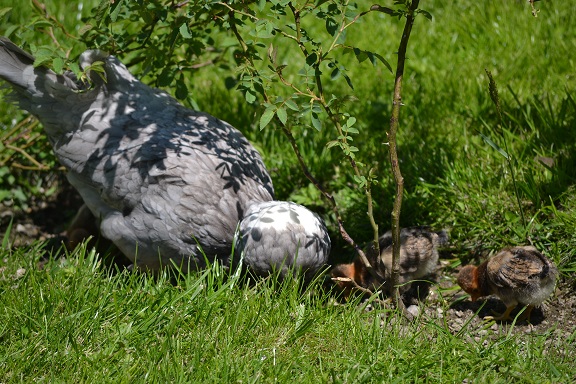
426, 14
292, 105
185, 32
4, 11
75, 67
331, 26
282, 115
42, 24
115, 10
332, 143
351, 121
181, 89
58, 64
266, 117
361, 55
360, 180
311, 59
386, 10
165, 77
348, 81
8, 31
383, 61
250, 96
335, 73
42, 58
316, 123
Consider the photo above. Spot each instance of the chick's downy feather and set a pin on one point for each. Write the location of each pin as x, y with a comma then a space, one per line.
418, 252
517, 275
418, 259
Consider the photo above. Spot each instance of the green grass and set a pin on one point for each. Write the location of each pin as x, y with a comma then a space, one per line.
71, 322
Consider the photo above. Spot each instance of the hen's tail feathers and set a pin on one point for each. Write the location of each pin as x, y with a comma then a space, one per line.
13, 63
29, 82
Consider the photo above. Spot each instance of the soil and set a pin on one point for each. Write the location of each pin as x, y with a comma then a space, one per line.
445, 303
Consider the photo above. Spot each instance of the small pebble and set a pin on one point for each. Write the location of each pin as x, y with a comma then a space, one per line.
414, 310
20, 272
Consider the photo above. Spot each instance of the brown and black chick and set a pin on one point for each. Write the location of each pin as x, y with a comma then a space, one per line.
517, 275
418, 259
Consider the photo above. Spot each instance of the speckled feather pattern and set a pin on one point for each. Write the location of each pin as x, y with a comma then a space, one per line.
418, 259
418, 252
283, 236
161, 179
521, 275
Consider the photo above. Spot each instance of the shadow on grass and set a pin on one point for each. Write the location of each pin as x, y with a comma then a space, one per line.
487, 307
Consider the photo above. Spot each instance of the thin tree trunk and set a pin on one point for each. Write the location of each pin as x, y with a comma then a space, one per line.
399, 180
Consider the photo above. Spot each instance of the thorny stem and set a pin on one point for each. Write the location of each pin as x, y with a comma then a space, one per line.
399, 180
360, 289
335, 120
328, 197
296, 14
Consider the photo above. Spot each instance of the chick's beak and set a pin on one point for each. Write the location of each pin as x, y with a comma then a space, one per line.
474, 296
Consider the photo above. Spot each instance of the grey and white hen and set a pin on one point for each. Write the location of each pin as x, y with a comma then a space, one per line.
167, 184
282, 237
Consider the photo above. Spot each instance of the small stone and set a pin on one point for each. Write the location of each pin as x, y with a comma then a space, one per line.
414, 310
20, 272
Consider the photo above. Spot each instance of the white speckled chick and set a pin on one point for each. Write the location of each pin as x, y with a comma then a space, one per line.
282, 236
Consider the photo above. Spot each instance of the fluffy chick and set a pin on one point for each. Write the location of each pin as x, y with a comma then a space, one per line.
517, 275
418, 252
418, 258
